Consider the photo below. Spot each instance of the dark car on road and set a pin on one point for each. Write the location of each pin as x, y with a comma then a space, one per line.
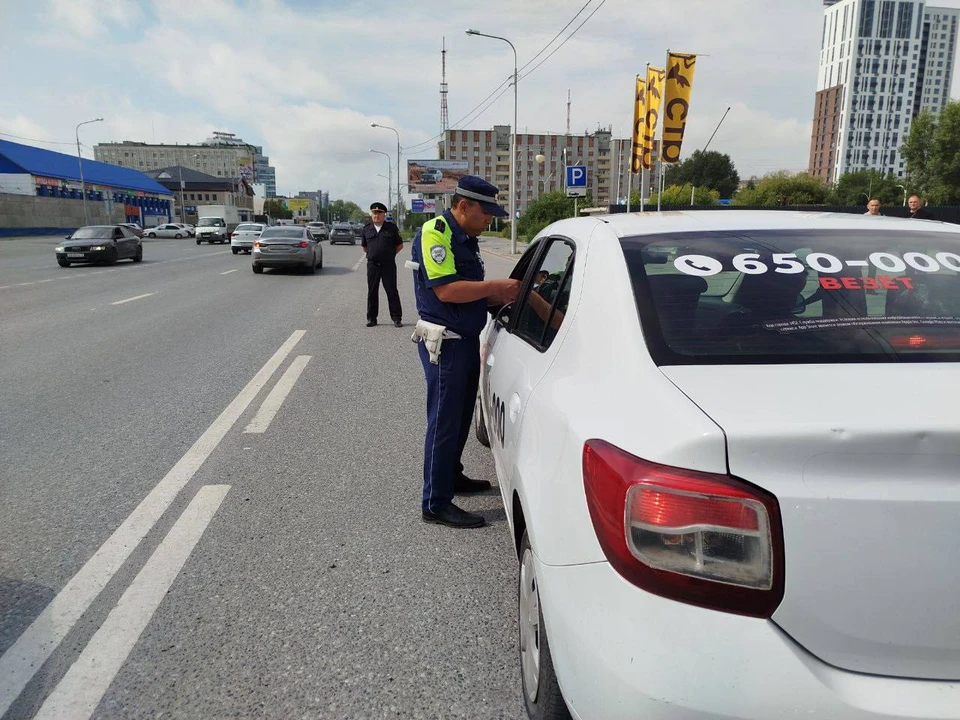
99, 244
287, 246
343, 232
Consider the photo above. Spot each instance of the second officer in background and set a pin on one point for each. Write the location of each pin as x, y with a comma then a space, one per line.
381, 241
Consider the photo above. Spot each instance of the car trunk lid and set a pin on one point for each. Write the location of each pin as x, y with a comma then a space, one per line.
865, 462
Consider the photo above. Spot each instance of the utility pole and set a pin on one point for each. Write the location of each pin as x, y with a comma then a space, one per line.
83, 185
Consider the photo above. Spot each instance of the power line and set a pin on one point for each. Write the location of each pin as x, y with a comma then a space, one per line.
558, 34
46, 142
527, 74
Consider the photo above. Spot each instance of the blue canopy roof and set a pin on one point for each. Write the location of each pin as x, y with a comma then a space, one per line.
17, 158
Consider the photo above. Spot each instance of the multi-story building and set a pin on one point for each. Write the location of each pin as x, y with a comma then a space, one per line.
487, 153
881, 63
201, 189
224, 155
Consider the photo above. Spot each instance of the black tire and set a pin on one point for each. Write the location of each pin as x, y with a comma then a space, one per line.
353, 242
479, 424
63, 263
138, 255
151, 235
320, 266
114, 256
199, 241
545, 701
178, 235
235, 250
257, 269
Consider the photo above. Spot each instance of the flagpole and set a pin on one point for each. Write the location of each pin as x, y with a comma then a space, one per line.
633, 139
646, 102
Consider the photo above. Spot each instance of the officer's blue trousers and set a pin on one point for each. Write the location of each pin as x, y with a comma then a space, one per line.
451, 395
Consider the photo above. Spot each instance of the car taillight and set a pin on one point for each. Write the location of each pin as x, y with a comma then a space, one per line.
304, 243
699, 538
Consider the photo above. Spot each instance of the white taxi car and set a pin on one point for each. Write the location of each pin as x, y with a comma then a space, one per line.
243, 238
728, 445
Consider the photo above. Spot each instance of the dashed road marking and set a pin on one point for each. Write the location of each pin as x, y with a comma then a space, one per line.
229, 271
135, 297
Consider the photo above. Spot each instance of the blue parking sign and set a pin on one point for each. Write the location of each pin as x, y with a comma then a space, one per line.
576, 181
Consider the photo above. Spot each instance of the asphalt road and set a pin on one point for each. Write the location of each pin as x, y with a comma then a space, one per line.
157, 561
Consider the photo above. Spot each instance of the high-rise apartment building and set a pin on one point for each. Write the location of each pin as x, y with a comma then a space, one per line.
224, 155
487, 153
881, 63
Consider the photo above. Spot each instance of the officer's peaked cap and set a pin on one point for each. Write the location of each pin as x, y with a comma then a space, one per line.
378, 206
476, 188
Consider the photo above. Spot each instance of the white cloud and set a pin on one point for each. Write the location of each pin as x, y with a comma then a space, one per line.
89, 18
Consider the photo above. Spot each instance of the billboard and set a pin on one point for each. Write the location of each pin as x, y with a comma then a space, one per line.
435, 177
423, 206
297, 204
245, 168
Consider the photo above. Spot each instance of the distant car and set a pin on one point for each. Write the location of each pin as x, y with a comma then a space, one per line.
137, 230
170, 230
319, 230
343, 232
727, 451
358, 230
431, 177
212, 229
99, 244
286, 246
188, 227
244, 236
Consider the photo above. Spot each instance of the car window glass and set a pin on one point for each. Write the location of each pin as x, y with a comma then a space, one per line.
542, 309
798, 296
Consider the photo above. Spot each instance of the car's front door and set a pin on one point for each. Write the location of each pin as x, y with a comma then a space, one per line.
517, 352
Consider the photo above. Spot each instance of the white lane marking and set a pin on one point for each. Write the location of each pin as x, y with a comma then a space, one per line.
359, 262
229, 271
22, 659
271, 406
88, 679
135, 297
80, 275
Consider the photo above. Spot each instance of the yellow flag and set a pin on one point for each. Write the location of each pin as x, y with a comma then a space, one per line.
679, 85
638, 109
653, 97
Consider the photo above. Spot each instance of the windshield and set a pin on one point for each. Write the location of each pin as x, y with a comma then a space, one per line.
210, 222
827, 296
281, 232
92, 233
249, 228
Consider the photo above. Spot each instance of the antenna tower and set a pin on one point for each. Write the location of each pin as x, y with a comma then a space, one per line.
444, 117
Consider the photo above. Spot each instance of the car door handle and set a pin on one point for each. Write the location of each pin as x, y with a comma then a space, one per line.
514, 407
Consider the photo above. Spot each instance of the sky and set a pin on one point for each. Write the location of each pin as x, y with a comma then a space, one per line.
306, 78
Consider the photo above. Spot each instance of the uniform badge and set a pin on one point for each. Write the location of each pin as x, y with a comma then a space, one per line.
440, 225
438, 253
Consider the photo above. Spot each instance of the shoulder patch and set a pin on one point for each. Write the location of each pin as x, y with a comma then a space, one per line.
440, 225
438, 253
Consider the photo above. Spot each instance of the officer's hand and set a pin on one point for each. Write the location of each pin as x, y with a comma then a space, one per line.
507, 291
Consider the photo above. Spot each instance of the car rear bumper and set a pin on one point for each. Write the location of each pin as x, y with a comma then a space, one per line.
620, 652
302, 258
245, 244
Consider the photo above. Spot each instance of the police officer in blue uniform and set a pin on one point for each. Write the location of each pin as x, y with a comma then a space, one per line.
451, 292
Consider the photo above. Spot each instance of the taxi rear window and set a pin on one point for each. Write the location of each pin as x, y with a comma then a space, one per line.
798, 296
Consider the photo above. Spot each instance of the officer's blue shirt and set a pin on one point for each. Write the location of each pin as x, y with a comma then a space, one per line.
447, 254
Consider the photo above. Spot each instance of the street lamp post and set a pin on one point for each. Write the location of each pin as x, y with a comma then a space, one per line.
399, 201
904, 194
83, 186
389, 183
513, 144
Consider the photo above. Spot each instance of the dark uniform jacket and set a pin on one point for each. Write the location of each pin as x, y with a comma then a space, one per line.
381, 246
923, 214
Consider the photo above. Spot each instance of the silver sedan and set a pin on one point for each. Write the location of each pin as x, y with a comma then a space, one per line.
287, 246
244, 236
170, 230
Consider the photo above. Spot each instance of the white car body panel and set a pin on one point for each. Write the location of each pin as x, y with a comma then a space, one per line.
868, 627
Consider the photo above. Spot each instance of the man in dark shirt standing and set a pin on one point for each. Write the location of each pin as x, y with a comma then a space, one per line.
381, 241
918, 209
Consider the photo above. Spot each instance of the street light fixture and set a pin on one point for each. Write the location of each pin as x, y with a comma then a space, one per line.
399, 201
83, 186
389, 183
513, 144
904, 194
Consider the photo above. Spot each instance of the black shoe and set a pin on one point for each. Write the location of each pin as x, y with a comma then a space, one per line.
371, 323
397, 323
452, 516
464, 485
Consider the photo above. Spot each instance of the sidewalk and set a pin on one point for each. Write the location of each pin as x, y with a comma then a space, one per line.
500, 246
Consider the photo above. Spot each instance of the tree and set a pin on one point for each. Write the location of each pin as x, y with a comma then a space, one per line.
346, 210
546, 209
710, 169
276, 209
856, 188
783, 188
932, 154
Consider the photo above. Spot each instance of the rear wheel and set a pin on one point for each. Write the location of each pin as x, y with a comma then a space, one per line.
258, 269
235, 250
178, 235
63, 263
138, 256
480, 425
541, 691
